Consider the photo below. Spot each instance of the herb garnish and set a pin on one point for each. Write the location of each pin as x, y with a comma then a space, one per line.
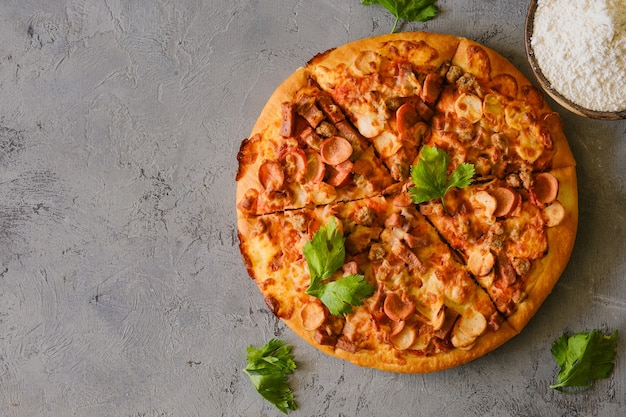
325, 254
268, 367
583, 358
430, 176
413, 10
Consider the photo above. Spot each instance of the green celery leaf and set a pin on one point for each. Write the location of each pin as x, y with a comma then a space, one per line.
461, 177
267, 368
559, 350
412, 10
583, 358
340, 295
325, 253
430, 176
275, 389
418, 10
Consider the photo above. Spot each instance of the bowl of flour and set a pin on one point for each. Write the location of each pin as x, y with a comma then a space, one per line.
577, 50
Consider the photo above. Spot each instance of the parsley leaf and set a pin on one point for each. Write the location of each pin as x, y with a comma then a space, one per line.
325, 254
430, 176
583, 358
339, 296
413, 10
268, 367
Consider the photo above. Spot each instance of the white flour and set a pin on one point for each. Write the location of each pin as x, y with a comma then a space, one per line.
580, 46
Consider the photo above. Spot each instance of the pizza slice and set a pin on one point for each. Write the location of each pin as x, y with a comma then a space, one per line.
513, 234
488, 114
388, 88
303, 152
425, 311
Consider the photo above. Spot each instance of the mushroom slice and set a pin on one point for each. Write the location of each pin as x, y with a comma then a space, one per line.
404, 339
367, 62
486, 201
439, 319
312, 315
461, 340
421, 342
469, 326
472, 323
553, 214
469, 106
323, 193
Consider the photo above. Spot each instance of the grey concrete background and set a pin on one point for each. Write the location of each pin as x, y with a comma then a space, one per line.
122, 292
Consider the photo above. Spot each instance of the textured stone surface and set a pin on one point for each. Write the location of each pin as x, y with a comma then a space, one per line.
122, 292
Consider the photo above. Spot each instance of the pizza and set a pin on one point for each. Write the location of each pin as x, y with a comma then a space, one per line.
333, 236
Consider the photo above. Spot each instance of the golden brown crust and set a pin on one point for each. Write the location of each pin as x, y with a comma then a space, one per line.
284, 92
272, 236
434, 48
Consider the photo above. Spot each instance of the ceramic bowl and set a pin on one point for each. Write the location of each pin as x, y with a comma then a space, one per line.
545, 84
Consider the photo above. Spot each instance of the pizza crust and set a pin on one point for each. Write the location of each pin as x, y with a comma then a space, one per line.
442, 45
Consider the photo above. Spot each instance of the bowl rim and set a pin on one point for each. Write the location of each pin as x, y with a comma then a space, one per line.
545, 84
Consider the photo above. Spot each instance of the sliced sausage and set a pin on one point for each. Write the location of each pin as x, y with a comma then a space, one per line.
397, 308
406, 117
271, 175
545, 187
506, 201
288, 121
431, 88
335, 150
